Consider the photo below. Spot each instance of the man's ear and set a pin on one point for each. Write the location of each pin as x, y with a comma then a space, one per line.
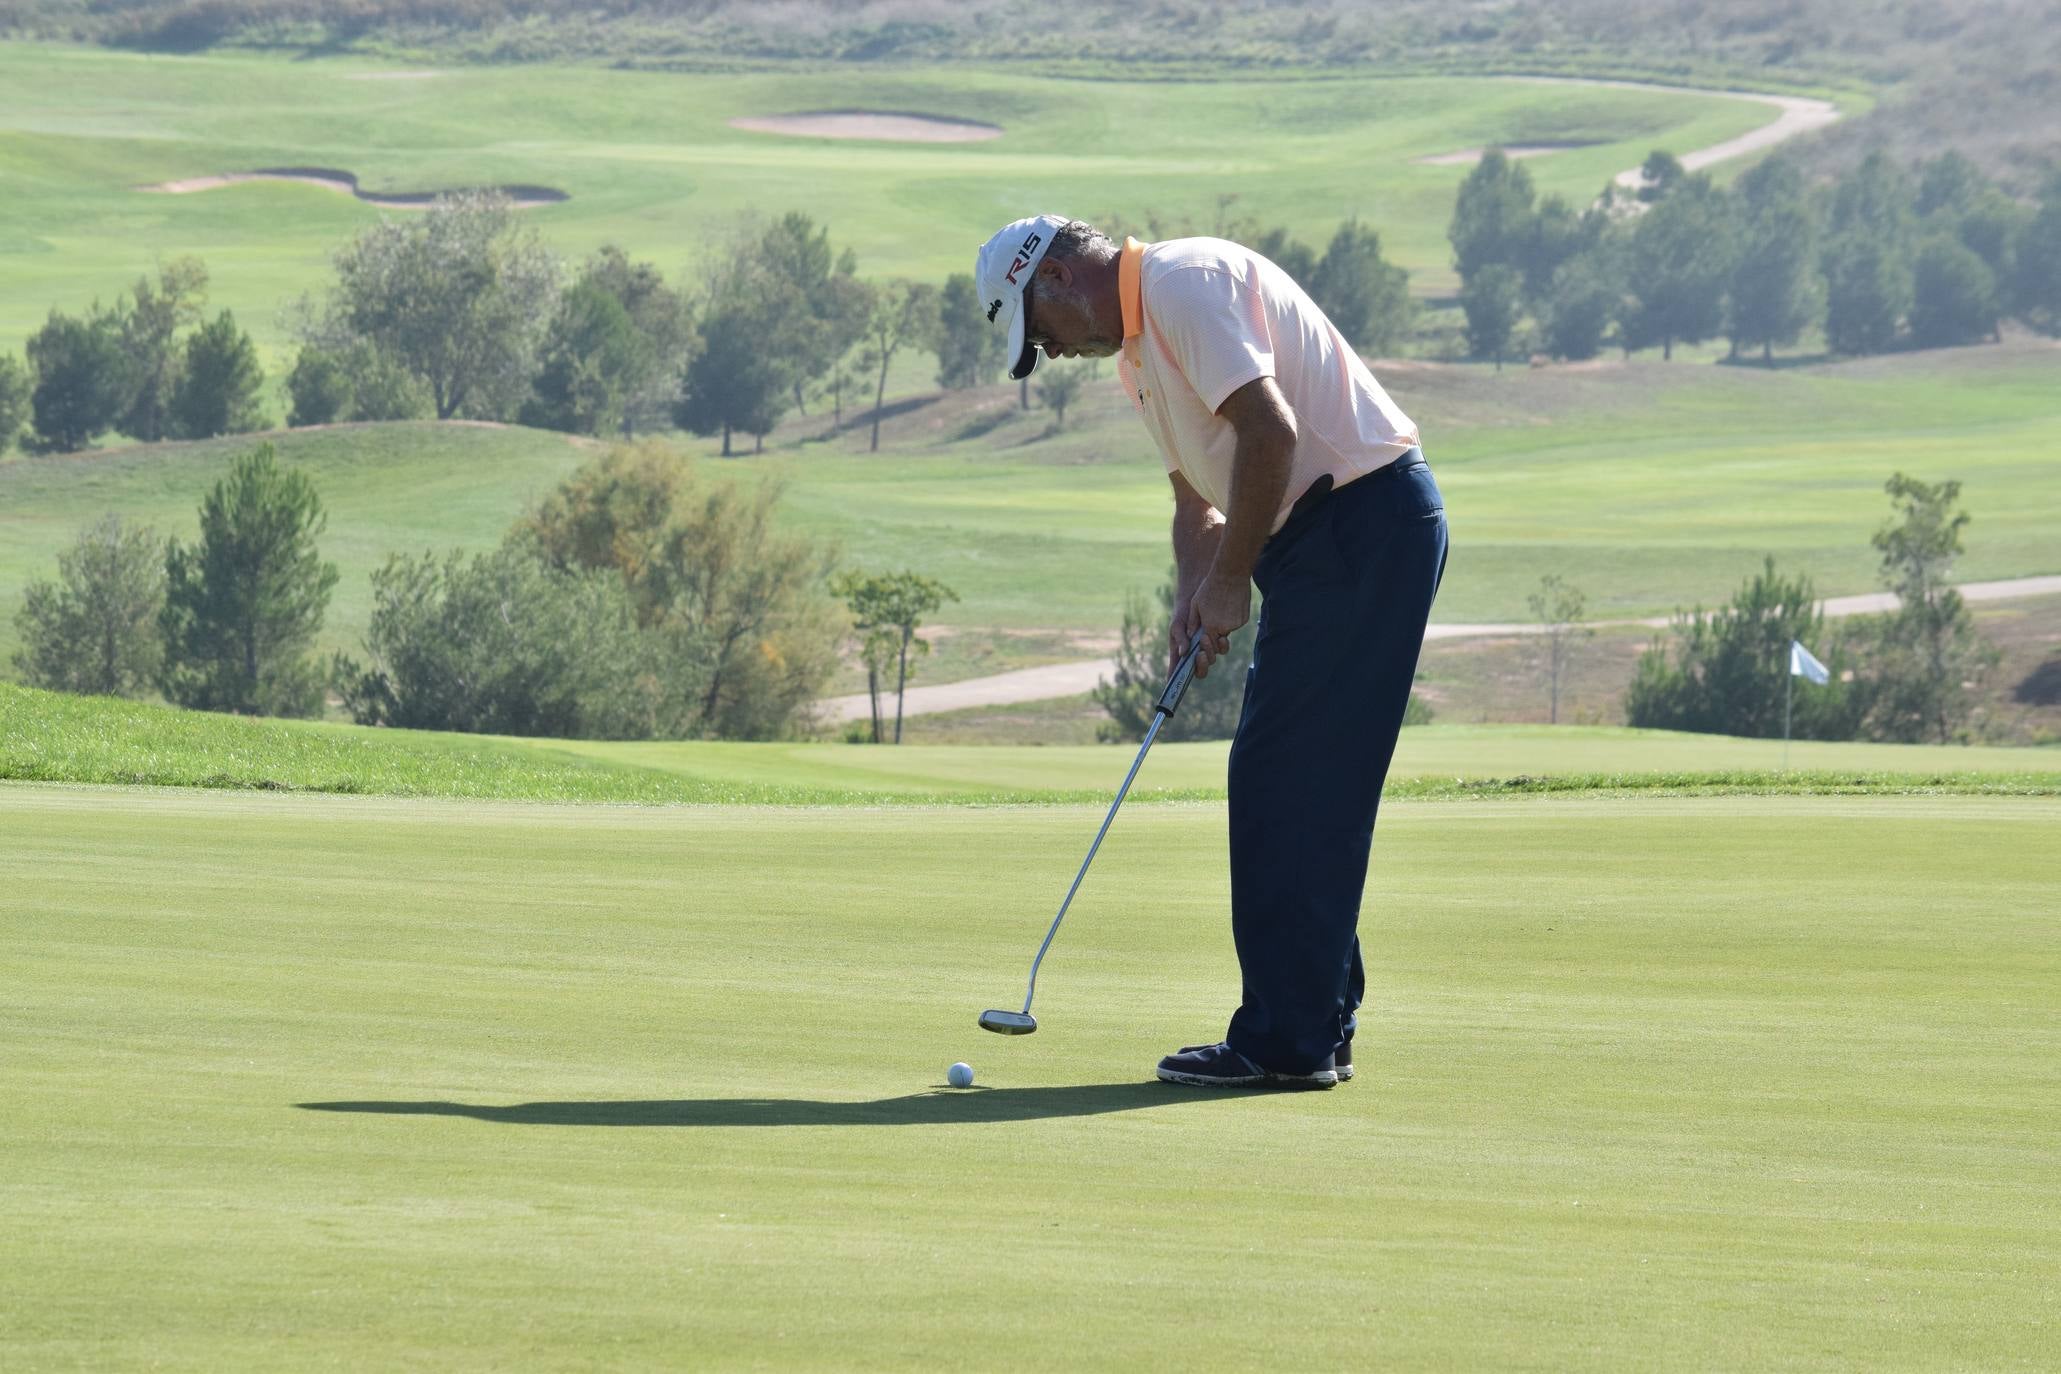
1060, 274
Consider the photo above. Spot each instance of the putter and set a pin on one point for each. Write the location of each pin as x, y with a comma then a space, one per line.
1022, 1022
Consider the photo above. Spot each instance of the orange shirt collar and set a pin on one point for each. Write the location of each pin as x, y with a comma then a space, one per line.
1129, 290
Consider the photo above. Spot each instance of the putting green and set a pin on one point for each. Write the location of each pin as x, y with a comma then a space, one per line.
1659, 1084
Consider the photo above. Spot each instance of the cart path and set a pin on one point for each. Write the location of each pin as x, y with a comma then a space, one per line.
1073, 679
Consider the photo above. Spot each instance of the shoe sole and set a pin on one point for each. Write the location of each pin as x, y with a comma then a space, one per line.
1263, 1080
1344, 1071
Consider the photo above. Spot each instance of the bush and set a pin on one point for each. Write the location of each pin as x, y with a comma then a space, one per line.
1209, 710
705, 560
95, 629
217, 390
80, 381
14, 400
243, 606
482, 645
320, 388
1728, 673
1954, 298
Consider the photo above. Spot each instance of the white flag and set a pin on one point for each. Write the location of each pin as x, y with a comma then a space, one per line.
1802, 664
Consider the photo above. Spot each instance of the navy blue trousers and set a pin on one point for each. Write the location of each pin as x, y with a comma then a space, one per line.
1348, 584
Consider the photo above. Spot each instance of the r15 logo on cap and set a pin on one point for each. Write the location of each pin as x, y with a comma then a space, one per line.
1023, 257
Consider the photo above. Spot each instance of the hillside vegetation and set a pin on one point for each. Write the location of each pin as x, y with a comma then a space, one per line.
1650, 485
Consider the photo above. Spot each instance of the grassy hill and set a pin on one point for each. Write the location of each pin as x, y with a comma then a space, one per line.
651, 163
1649, 485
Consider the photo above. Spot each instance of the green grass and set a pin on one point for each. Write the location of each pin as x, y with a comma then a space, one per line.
651, 163
50, 737
300, 1081
1643, 485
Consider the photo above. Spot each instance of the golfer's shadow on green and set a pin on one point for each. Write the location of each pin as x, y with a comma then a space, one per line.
944, 1108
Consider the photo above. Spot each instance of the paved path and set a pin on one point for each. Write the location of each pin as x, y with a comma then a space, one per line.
1072, 679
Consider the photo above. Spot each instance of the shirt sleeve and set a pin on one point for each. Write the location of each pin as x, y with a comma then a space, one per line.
1215, 330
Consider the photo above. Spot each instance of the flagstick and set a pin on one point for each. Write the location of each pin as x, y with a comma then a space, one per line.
1788, 692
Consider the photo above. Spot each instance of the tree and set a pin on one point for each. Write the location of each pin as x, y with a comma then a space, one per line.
1927, 653
2036, 295
1584, 298
243, 606
969, 352
704, 560
899, 314
1492, 216
1869, 290
1211, 707
1288, 254
14, 399
887, 609
1774, 292
94, 630
1059, 384
594, 361
1953, 297
1876, 199
1660, 176
822, 303
664, 322
1949, 184
319, 388
1728, 674
80, 383
1555, 237
480, 645
459, 296
152, 359
1681, 256
730, 385
1492, 299
1364, 295
217, 391
1559, 608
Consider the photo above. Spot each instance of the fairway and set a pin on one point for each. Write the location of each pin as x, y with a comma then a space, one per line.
1731, 1083
649, 160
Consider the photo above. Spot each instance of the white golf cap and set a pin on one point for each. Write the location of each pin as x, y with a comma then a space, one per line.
1001, 273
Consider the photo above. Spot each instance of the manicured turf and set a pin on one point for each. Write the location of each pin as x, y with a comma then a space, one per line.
315, 1082
47, 737
651, 163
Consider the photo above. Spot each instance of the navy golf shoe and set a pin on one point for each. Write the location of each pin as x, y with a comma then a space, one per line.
1220, 1066
1341, 1063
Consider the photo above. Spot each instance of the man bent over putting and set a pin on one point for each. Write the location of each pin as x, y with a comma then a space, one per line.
1293, 471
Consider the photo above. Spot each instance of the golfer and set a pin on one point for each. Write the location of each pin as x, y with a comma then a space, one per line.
1293, 471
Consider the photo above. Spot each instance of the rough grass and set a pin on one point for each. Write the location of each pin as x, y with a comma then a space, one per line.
50, 737
1756, 1083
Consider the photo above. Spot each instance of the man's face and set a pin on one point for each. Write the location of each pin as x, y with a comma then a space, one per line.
1059, 321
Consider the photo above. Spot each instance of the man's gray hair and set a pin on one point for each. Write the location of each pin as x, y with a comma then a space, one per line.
1080, 239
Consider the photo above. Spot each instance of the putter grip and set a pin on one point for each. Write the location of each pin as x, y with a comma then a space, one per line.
1184, 673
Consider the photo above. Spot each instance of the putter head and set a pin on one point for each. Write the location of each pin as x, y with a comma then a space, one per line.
1008, 1022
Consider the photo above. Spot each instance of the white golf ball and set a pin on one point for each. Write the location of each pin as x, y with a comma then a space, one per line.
960, 1075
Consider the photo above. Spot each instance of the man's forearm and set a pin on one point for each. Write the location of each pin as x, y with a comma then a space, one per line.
1197, 527
1259, 479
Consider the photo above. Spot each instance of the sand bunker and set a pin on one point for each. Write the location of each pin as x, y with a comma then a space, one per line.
1467, 157
329, 179
881, 125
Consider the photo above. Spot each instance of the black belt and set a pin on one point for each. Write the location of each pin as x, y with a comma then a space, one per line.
1320, 490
